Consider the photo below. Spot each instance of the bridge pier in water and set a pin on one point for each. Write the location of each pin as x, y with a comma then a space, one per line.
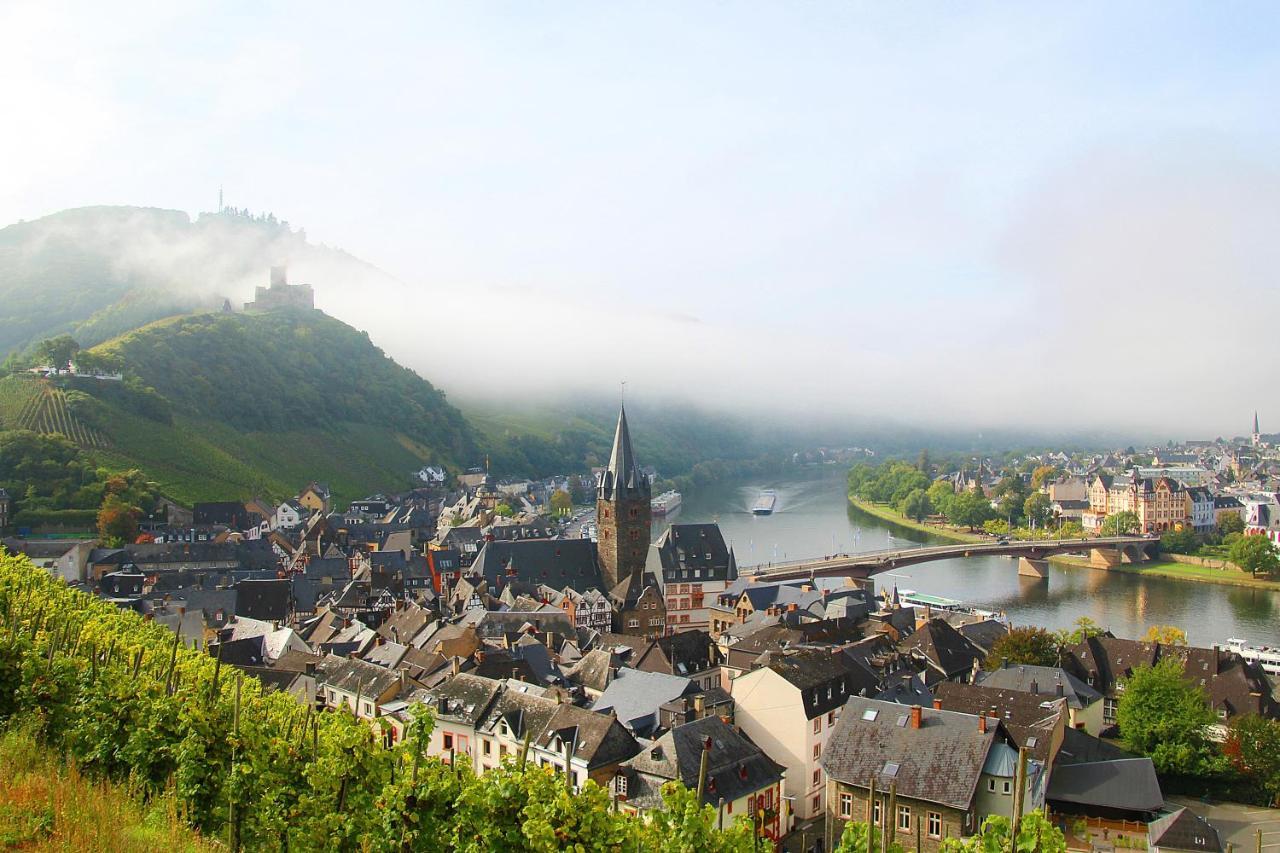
1030, 567
1109, 558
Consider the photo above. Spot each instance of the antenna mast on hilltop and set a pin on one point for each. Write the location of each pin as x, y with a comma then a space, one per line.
219, 198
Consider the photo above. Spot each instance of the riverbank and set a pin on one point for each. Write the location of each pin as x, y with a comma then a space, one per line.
884, 512
1177, 570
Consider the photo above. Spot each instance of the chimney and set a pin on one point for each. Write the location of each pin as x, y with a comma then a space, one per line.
915, 716
1058, 689
937, 704
982, 724
381, 640
457, 665
479, 656
1035, 687
699, 704
792, 607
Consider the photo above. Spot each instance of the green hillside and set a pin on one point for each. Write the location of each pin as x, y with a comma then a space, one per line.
99, 272
220, 406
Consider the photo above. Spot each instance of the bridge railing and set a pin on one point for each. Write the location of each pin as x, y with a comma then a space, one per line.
951, 548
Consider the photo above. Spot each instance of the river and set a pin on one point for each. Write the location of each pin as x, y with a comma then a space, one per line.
813, 519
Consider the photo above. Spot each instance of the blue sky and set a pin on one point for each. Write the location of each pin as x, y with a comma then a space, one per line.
912, 197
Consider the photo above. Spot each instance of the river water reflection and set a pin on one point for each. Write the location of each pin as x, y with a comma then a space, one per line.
813, 519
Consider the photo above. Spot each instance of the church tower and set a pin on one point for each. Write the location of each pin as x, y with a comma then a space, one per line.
1256, 438
623, 516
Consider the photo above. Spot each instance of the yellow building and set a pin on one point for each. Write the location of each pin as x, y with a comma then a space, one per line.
1160, 503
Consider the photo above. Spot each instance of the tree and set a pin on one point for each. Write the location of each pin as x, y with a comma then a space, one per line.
940, 494
1084, 629
1035, 835
1044, 474
1232, 523
1254, 554
117, 522
1184, 541
561, 502
577, 490
1167, 635
1123, 523
923, 464
58, 352
915, 505
1253, 748
969, 510
1029, 645
1166, 717
504, 510
854, 840
996, 527
1070, 530
1038, 509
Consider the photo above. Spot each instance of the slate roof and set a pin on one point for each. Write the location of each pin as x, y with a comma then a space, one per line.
635, 697
1045, 681
621, 479
269, 600
683, 654
523, 709
940, 762
351, 676
1108, 659
599, 738
464, 698
1030, 719
1127, 784
945, 648
824, 677
983, 633
735, 766
694, 548
405, 623
1183, 829
555, 562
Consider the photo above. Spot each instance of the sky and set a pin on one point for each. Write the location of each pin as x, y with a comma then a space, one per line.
942, 214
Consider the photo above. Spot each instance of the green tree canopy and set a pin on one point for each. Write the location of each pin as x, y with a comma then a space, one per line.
57, 352
1037, 509
1124, 523
1254, 554
1035, 835
916, 505
1253, 748
1084, 629
1166, 717
1026, 645
940, 494
1231, 523
970, 510
561, 502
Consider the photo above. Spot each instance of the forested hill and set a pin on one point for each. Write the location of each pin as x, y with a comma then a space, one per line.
221, 406
98, 272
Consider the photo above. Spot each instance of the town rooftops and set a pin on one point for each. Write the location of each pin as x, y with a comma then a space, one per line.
597, 739
735, 766
1127, 784
693, 552
1046, 681
555, 562
938, 762
465, 698
1183, 829
824, 677
635, 697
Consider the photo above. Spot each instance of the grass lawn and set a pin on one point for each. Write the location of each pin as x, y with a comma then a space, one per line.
889, 514
48, 805
1180, 571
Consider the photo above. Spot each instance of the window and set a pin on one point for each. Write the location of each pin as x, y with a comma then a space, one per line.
817, 776
817, 751
831, 718
935, 825
846, 805
620, 785
904, 818
875, 813
633, 623
486, 746
1008, 788
991, 785
817, 725
448, 741
502, 749
817, 802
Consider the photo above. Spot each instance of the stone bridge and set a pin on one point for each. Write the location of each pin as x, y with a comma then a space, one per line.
1104, 552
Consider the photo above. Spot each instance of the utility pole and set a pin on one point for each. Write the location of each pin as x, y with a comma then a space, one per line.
702, 770
871, 813
1019, 795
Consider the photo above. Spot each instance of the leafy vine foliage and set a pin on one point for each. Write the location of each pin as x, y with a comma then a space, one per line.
124, 699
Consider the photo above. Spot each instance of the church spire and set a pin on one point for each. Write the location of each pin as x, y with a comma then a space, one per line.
1255, 422
622, 478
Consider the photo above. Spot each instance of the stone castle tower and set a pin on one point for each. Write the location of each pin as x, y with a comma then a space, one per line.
623, 516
